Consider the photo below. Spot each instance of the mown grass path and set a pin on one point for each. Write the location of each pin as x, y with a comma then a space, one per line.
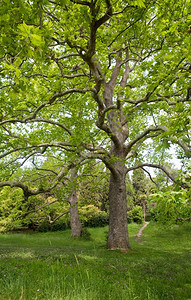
54, 266
139, 234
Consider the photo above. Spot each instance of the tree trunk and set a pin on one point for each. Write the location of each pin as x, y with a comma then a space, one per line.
76, 226
118, 231
75, 223
144, 210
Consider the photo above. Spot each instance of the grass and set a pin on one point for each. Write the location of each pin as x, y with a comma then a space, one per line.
55, 266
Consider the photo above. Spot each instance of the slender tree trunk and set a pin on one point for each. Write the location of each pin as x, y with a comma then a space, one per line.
144, 210
118, 231
76, 226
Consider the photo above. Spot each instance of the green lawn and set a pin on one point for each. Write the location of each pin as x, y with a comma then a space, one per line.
54, 266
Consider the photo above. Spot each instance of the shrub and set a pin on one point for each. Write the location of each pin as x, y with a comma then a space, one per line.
135, 215
44, 227
59, 225
171, 206
91, 216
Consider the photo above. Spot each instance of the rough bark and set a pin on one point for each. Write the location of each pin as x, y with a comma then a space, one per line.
118, 230
76, 226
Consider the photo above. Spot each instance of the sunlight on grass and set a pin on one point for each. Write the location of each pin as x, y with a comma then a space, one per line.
19, 253
55, 266
88, 258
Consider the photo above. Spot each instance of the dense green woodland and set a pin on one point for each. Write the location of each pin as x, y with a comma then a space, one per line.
93, 96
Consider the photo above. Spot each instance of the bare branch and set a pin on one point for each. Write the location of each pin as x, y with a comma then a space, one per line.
126, 72
35, 75
98, 99
11, 151
143, 135
14, 136
107, 15
116, 70
51, 122
41, 106
43, 169
120, 12
5, 86
86, 3
44, 146
100, 124
40, 207
153, 166
184, 146
69, 91
126, 28
104, 157
95, 149
67, 56
64, 213
101, 118
27, 192
31, 192
149, 176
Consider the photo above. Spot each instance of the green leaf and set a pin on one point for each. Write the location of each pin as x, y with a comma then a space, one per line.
37, 40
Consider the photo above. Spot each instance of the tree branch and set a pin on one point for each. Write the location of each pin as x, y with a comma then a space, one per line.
152, 166
107, 15
142, 135
86, 3
149, 176
49, 102
122, 31
51, 122
116, 70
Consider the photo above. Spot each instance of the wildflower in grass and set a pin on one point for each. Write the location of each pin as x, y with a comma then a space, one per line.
38, 290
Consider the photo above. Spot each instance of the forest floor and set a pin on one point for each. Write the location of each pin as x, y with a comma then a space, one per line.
52, 265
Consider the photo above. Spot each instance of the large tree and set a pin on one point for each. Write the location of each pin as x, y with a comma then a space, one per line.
105, 80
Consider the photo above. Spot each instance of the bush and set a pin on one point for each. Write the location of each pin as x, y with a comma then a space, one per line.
91, 216
99, 220
44, 227
172, 207
135, 215
59, 225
